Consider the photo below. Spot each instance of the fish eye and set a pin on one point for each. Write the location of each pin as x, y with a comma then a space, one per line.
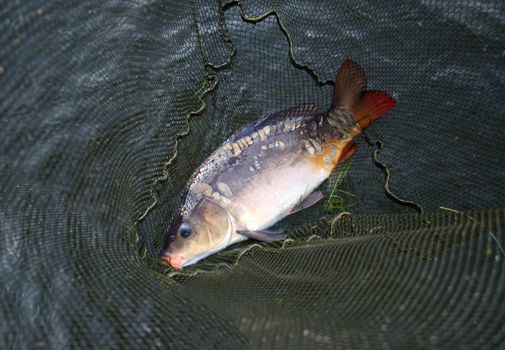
185, 230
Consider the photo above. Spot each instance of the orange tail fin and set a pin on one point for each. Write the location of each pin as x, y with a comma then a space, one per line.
372, 106
350, 90
349, 84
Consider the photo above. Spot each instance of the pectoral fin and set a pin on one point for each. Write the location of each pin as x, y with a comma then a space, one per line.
265, 235
309, 201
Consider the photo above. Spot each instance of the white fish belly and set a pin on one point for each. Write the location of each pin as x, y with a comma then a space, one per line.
268, 198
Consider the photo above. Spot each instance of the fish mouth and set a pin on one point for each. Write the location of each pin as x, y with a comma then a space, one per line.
176, 261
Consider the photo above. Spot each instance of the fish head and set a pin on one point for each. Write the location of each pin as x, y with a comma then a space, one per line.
205, 231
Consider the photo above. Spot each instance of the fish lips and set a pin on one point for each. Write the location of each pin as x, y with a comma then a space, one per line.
176, 261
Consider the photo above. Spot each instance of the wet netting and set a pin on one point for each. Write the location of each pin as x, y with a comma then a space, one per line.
107, 108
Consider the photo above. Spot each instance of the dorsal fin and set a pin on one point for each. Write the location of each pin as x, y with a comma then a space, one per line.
243, 131
303, 110
349, 84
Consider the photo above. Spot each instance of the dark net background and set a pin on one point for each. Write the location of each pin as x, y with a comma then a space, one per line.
107, 107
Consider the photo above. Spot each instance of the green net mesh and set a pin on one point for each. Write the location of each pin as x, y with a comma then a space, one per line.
107, 107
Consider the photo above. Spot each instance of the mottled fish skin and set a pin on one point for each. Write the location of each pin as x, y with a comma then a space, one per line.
270, 176
265, 170
260, 175
228, 154
208, 170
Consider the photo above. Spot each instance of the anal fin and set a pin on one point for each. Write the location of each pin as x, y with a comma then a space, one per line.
265, 235
347, 152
